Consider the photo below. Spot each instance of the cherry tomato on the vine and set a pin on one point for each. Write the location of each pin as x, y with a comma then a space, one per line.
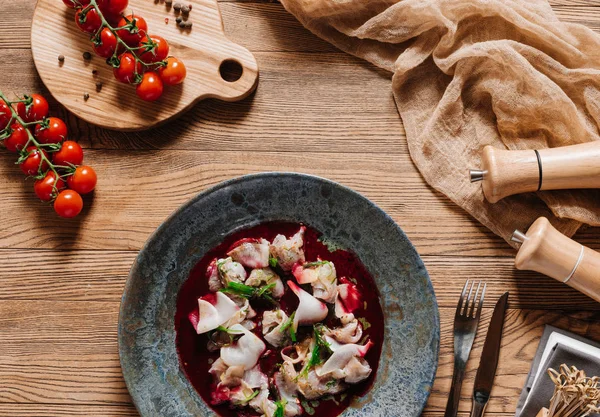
68, 204
83, 179
17, 139
127, 68
105, 44
33, 163
71, 4
88, 20
36, 110
154, 48
69, 153
44, 188
5, 114
172, 73
112, 6
151, 87
53, 130
133, 29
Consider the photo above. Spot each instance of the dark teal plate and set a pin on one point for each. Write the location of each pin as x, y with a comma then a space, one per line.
149, 358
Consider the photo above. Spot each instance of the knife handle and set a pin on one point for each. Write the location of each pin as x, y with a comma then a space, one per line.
506, 173
544, 249
478, 406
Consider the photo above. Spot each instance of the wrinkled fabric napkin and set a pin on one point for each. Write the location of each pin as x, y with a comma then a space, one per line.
470, 73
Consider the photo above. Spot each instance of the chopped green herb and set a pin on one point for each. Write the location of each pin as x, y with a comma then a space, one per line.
273, 262
365, 323
314, 403
288, 325
248, 399
321, 346
247, 291
280, 411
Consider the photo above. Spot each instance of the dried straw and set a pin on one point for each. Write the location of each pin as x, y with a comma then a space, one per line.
575, 395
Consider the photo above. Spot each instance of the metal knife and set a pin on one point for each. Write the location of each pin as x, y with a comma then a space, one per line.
489, 359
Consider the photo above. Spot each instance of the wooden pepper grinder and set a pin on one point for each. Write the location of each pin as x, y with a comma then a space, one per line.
507, 172
544, 249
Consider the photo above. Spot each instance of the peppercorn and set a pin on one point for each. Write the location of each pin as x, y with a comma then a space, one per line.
169, 2
94, 71
190, 6
188, 24
178, 20
177, 6
86, 96
87, 56
181, 24
61, 58
185, 10
99, 86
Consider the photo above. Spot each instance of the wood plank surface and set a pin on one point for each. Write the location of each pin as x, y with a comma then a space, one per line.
316, 110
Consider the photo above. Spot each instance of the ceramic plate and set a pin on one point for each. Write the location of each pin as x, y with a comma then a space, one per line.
149, 360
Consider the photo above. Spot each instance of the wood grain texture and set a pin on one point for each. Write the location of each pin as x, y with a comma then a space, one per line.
203, 50
316, 110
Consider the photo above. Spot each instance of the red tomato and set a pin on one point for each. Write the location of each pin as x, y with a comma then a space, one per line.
88, 20
54, 132
34, 163
154, 48
151, 87
35, 110
5, 115
83, 180
44, 188
172, 73
17, 139
133, 29
112, 6
127, 68
71, 4
70, 153
105, 45
68, 204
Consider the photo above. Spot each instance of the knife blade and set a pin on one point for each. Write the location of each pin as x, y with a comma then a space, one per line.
486, 372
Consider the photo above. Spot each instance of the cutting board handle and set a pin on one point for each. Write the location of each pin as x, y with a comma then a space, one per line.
544, 249
506, 173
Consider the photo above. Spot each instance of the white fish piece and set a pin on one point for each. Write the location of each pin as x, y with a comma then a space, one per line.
244, 311
342, 354
262, 404
255, 378
211, 316
312, 386
273, 321
212, 275
246, 351
321, 275
288, 251
350, 332
241, 394
250, 252
310, 310
356, 370
266, 276
231, 271
287, 391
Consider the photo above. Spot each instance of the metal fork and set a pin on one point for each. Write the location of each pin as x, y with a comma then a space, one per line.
465, 329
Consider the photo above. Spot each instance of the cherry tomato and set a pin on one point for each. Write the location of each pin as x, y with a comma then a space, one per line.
17, 139
44, 188
105, 44
88, 20
69, 153
154, 48
126, 70
71, 4
68, 204
34, 162
151, 87
172, 73
83, 180
133, 29
55, 132
5, 115
34, 111
112, 6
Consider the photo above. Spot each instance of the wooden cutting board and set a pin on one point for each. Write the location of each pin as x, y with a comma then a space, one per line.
203, 48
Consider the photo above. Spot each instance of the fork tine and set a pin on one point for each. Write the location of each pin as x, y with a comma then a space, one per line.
474, 300
462, 297
481, 301
469, 300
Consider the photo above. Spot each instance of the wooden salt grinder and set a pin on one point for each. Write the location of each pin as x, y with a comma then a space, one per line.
507, 172
544, 249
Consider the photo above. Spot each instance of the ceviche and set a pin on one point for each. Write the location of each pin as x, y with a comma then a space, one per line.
273, 323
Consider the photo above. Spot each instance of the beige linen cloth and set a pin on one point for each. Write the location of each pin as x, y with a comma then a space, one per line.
470, 73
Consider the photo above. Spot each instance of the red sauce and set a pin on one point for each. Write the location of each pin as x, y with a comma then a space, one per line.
196, 360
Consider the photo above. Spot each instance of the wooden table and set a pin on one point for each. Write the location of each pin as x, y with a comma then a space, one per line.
316, 110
